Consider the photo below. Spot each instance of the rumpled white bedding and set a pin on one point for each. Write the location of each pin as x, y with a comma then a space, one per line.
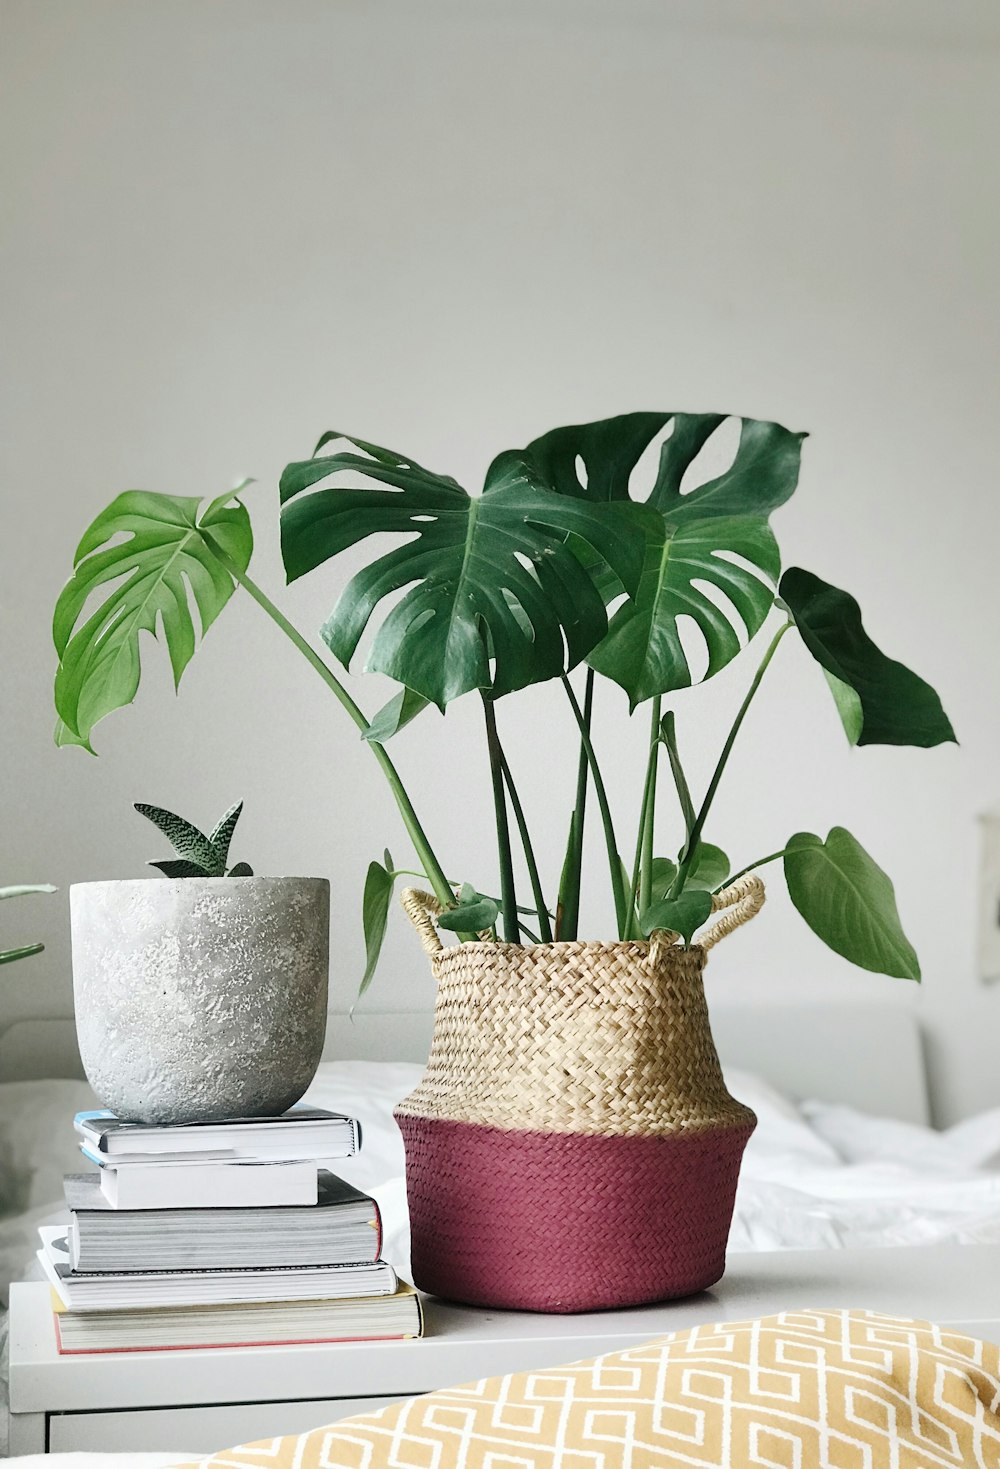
815, 1176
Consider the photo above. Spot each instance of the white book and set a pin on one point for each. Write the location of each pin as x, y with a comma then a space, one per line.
206, 1183
144, 1289
300, 1133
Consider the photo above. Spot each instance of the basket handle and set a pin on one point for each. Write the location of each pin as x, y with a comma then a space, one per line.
422, 909
744, 899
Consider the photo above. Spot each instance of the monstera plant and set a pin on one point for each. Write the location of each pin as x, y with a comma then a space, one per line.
561, 563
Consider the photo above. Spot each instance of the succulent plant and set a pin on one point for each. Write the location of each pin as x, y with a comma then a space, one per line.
198, 855
7, 956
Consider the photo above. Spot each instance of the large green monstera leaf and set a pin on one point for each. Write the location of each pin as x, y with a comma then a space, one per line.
713, 538
173, 554
493, 598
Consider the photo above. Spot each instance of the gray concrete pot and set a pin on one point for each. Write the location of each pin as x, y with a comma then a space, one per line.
200, 998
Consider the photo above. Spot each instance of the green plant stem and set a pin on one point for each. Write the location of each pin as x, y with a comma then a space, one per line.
432, 867
529, 853
568, 901
614, 860
691, 848
752, 867
9, 955
508, 900
642, 866
677, 771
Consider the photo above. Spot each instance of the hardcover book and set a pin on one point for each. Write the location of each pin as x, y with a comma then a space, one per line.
342, 1228
140, 1290
301, 1132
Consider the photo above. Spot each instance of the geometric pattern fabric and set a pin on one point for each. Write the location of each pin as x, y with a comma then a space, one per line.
800, 1390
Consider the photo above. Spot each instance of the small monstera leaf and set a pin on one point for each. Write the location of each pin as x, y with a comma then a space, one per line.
849, 902
880, 701
493, 596
713, 541
678, 915
173, 553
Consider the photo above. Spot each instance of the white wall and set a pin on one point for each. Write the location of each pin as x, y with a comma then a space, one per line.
449, 227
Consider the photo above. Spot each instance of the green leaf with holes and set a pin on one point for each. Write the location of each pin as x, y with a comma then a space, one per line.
848, 902
711, 542
493, 597
167, 570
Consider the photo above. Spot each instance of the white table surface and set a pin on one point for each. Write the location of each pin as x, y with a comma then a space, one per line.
956, 1286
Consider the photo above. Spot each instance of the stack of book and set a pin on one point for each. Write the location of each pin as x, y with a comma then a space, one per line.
220, 1234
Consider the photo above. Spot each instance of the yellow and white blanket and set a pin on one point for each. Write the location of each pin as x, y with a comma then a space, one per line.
803, 1390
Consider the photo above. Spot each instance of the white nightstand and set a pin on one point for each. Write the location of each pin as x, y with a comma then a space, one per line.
195, 1402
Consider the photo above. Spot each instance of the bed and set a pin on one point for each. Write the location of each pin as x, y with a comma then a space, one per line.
843, 1156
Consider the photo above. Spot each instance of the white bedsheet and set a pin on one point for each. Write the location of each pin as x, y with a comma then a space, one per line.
815, 1176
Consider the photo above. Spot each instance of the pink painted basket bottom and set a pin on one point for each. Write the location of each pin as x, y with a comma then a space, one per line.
559, 1222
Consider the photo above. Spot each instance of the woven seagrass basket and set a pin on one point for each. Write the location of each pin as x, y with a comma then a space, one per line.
572, 1145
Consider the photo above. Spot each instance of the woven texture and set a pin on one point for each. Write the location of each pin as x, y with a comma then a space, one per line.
573, 1037
572, 1145
802, 1390
559, 1222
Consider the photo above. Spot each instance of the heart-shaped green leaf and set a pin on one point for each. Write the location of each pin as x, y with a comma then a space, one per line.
392, 717
881, 702
374, 915
168, 559
681, 915
710, 542
493, 598
710, 867
662, 874
473, 916
848, 902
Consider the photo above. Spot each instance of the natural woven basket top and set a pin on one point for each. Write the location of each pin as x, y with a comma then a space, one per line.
574, 1037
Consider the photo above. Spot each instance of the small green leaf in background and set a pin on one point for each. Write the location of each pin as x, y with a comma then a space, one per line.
394, 716
187, 841
663, 873
180, 867
848, 902
21, 890
7, 956
710, 867
242, 869
167, 562
681, 915
474, 913
374, 915
880, 701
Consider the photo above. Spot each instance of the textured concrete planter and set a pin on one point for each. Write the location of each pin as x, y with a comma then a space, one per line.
200, 998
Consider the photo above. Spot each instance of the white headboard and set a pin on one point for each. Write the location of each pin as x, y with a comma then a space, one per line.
867, 1055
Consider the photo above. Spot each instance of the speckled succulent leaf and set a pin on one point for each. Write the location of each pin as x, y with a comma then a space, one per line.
187, 841
222, 836
242, 869
880, 701
179, 867
494, 599
168, 563
716, 535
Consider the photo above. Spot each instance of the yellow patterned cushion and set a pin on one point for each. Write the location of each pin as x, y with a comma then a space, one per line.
803, 1390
